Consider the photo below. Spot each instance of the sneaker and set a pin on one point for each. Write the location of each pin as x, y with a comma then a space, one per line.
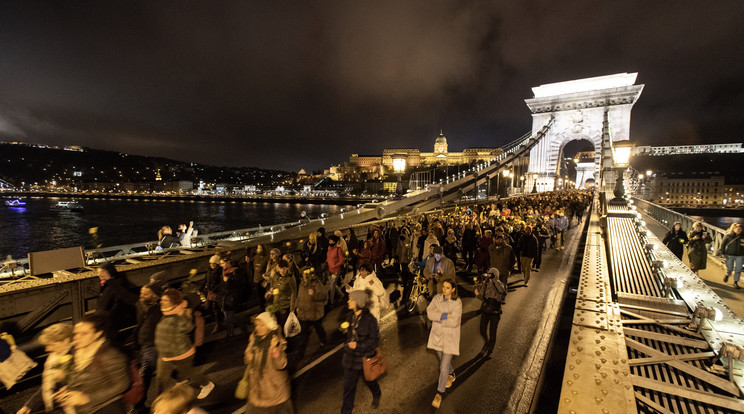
437, 401
205, 390
450, 379
375, 401
726, 278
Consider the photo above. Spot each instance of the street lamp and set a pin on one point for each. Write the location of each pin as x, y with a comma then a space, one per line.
521, 184
534, 183
621, 158
506, 185
399, 166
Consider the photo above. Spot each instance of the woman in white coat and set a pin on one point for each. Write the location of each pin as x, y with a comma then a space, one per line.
445, 313
367, 280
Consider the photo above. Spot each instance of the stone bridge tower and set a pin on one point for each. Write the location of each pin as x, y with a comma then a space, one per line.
579, 107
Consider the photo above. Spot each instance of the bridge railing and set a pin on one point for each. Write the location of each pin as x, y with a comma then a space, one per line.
667, 218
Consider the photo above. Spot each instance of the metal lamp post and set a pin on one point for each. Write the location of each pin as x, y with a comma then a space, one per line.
534, 183
621, 157
506, 185
399, 167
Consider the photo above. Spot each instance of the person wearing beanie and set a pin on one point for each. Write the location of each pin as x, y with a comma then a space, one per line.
437, 268
367, 280
362, 340
491, 291
265, 360
341, 242
148, 316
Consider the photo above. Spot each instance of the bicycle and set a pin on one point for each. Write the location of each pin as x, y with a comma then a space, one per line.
420, 287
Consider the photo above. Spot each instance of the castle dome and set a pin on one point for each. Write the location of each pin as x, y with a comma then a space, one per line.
440, 139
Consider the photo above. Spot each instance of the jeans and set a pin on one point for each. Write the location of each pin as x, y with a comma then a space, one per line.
351, 377
445, 369
186, 371
148, 358
526, 267
733, 264
488, 324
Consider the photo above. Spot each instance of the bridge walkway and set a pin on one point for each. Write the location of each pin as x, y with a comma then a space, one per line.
712, 275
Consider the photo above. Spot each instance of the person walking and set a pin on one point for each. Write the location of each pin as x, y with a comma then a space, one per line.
437, 268
529, 248
311, 297
367, 279
362, 340
445, 313
561, 225
148, 316
174, 345
260, 261
675, 240
698, 251
117, 297
265, 360
99, 378
227, 294
210, 290
502, 257
283, 291
491, 291
57, 342
732, 249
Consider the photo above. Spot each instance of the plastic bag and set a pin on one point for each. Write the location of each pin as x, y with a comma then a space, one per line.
292, 326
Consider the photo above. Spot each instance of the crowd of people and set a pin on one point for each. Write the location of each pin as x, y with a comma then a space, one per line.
90, 367
697, 241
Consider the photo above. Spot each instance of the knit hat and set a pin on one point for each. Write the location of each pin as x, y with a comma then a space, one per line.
268, 320
360, 297
155, 288
215, 259
493, 272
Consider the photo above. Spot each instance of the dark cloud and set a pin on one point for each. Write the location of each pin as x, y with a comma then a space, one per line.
304, 84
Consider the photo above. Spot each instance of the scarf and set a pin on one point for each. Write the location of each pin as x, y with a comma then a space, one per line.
262, 345
83, 357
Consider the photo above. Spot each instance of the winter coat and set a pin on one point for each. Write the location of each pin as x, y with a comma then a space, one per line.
377, 251
561, 223
447, 268
675, 241
268, 387
117, 298
148, 317
103, 380
404, 249
314, 255
469, 239
286, 298
732, 245
366, 334
481, 257
445, 334
259, 267
528, 245
212, 280
372, 283
503, 259
698, 253
430, 240
311, 307
450, 249
335, 259
228, 294
173, 336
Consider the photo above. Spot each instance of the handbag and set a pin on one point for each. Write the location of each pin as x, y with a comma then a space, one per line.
375, 366
241, 391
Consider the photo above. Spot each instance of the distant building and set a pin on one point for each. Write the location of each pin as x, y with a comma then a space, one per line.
690, 188
370, 167
689, 149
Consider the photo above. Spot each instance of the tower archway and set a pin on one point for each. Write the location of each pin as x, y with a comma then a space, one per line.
579, 108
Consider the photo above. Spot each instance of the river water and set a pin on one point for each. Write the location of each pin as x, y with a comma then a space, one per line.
120, 221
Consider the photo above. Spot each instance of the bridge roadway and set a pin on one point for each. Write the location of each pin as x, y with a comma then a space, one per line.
503, 384
638, 342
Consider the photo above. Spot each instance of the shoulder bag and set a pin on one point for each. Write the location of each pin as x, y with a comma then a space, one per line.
375, 366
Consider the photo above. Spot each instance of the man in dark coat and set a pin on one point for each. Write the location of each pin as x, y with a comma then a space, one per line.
362, 339
528, 248
676, 239
117, 297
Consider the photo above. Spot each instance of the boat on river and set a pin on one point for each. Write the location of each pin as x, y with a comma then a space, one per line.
15, 202
67, 206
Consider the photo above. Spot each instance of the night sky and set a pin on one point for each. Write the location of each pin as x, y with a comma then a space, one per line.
303, 84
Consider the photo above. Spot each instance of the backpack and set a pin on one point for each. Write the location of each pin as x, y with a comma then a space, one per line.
493, 305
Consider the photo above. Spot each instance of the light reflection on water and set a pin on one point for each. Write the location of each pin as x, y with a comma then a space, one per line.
720, 222
36, 228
